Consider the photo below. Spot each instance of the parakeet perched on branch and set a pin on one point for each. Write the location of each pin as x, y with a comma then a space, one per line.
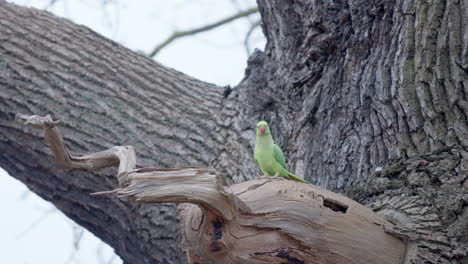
269, 157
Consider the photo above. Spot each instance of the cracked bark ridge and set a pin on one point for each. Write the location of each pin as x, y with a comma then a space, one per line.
265, 220
348, 86
426, 197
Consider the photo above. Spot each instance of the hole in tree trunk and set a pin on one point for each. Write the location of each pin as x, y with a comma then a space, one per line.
335, 206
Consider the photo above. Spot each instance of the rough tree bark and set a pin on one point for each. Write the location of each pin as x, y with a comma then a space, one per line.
366, 97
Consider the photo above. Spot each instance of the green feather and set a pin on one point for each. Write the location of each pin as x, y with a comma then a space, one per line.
296, 178
279, 156
269, 156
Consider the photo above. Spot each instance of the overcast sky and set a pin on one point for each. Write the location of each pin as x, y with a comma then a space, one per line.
31, 230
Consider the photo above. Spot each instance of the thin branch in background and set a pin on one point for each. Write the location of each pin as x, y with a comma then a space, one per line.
239, 8
50, 4
117, 21
180, 34
111, 259
71, 257
236, 4
36, 223
248, 35
66, 9
24, 194
78, 232
111, 21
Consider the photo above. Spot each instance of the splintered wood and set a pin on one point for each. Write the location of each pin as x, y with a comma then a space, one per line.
267, 220
291, 222
184, 185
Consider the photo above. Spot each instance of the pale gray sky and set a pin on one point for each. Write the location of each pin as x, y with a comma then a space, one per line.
31, 230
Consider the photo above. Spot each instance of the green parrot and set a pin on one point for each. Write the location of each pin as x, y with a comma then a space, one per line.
269, 157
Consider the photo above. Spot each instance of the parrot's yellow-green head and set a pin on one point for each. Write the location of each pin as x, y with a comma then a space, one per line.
262, 128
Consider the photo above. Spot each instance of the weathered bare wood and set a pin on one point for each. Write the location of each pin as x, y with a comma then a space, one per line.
265, 220
290, 222
195, 185
201, 186
278, 220
122, 155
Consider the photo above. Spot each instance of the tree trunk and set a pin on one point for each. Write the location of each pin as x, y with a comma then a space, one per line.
106, 95
366, 97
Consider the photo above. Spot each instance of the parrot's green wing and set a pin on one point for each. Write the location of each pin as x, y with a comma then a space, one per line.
279, 156
256, 162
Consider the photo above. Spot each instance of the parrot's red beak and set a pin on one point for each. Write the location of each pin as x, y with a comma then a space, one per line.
262, 130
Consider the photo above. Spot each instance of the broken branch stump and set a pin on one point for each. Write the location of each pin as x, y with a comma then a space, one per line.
267, 220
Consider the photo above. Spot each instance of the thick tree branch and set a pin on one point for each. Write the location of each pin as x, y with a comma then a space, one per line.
180, 34
279, 219
106, 95
226, 224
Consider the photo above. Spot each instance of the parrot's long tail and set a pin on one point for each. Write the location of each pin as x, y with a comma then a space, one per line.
297, 178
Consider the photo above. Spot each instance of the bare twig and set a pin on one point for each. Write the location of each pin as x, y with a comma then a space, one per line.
248, 35
50, 4
78, 233
122, 155
179, 34
36, 222
238, 6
